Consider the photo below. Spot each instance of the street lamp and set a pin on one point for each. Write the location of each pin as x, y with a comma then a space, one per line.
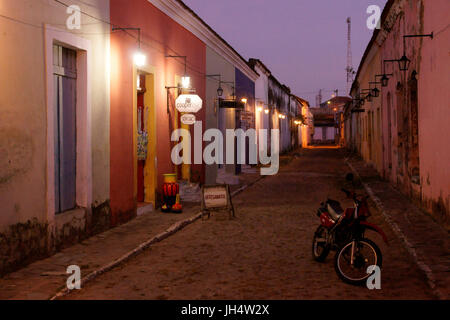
185, 80
139, 58
375, 91
219, 91
404, 62
361, 102
384, 80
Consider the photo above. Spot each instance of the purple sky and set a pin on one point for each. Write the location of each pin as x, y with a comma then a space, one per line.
303, 42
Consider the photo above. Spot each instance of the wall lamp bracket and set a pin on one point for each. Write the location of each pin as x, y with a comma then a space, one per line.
219, 90
133, 29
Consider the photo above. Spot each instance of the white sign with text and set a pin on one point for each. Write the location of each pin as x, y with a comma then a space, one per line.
189, 103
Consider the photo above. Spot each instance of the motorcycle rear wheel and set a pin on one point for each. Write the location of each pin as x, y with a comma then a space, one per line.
367, 254
320, 246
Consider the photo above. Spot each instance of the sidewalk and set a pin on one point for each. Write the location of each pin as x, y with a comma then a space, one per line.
425, 240
43, 279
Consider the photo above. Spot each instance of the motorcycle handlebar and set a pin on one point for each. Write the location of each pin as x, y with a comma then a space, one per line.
348, 193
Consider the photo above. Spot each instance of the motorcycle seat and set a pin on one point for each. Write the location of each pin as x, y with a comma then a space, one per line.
334, 209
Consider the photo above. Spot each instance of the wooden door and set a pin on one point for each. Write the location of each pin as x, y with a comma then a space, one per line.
64, 82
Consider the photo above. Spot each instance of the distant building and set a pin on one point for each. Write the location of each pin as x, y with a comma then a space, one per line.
328, 124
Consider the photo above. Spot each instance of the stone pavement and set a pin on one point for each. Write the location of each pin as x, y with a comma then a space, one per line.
43, 279
426, 240
265, 252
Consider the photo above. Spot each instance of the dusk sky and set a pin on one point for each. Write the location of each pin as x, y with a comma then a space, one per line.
303, 42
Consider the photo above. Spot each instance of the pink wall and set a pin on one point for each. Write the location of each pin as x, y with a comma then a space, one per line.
434, 107
429, 58
161, 36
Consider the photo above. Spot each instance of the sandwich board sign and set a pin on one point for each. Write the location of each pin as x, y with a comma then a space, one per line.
188, 103
217, 198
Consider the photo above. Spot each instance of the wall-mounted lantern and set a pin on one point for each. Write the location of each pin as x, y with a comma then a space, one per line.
219, 89
404, 62
384, 79
185, 80
139, 57
375, 91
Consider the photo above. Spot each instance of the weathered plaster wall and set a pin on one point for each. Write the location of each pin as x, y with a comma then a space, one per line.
434, 109
371, 147
414, 121
25, 232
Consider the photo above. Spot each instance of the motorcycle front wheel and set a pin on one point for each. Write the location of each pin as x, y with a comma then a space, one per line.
365, 253
320, 246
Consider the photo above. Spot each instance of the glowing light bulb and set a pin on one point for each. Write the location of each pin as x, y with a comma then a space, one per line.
186, 82
139, 59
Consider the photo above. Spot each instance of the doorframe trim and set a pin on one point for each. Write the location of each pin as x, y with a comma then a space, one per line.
53, 36
152, 147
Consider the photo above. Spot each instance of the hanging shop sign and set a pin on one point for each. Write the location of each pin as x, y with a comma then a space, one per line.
189, 103
231, 104
188, 119
216, 198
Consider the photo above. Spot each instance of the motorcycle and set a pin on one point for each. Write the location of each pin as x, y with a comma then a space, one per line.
344, 232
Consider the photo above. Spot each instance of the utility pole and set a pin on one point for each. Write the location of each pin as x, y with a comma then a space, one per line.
319, 98
349, 68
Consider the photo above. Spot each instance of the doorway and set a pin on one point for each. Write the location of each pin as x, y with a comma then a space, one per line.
145, 132
65, 142
142, 137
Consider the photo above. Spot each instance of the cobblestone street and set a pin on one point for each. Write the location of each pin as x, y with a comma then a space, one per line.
265, 253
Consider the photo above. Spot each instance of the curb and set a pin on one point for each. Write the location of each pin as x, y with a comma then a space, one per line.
139, 249
143, 246
406, 243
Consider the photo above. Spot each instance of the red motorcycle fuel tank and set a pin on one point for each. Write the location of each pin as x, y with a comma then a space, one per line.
326, 220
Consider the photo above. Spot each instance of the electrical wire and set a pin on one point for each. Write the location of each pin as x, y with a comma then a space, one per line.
143, 35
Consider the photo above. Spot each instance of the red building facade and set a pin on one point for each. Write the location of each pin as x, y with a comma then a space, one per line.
146, 107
